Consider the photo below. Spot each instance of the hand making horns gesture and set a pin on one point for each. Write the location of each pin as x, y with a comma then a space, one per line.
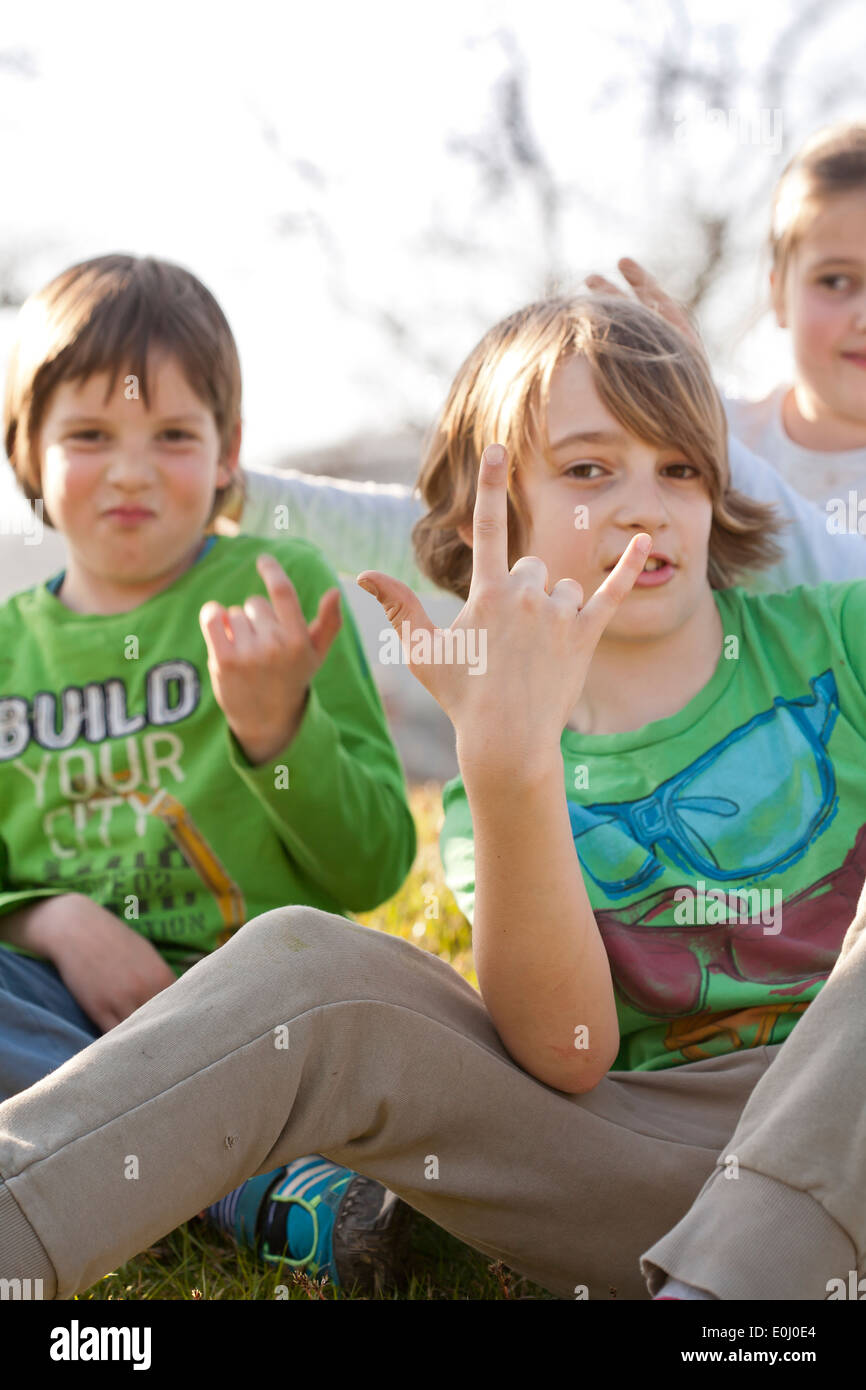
510, 708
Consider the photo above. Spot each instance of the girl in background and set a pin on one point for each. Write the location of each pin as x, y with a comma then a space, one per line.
812, 429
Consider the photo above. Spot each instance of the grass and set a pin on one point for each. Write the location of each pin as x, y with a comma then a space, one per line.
195, 1262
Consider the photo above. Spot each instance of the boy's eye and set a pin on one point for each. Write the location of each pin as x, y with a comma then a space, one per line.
835, 282
89, 436
690, 470
175, 436
578, 469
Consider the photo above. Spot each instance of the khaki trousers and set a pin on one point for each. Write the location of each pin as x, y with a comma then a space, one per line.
309, 1033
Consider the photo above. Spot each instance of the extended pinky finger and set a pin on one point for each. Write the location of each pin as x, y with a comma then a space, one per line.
327, 622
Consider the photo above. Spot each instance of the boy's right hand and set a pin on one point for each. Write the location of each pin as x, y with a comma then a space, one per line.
109, 969
537, 645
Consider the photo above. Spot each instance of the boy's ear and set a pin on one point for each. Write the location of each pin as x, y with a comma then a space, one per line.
778, 298
229, 461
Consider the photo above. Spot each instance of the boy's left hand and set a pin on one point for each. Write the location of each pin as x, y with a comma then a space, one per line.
262, 657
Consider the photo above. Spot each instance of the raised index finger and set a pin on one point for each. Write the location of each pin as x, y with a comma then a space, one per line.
636, 274
490, 517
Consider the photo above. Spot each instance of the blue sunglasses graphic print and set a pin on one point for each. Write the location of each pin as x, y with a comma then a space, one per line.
748, 807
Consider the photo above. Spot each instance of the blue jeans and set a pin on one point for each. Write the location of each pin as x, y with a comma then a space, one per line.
41, 1025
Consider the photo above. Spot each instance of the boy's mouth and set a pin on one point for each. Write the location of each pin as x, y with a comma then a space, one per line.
858, 358
656, 562
129, 514
658, 569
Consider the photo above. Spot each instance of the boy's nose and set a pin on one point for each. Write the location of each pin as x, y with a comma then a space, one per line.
644, 509
128, 467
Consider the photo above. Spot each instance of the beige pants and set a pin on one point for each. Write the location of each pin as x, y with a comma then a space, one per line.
308, 1033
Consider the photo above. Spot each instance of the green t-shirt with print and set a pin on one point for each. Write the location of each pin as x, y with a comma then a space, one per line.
723, 848
120, 778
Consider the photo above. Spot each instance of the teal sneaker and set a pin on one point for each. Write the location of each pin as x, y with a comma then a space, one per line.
327, 1220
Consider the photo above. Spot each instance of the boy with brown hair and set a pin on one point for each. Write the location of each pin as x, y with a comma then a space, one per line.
190, 732
648, 747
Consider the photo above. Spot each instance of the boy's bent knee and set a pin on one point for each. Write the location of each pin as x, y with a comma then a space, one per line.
282, 932
295, 919
333, 958
296, 933
291, 960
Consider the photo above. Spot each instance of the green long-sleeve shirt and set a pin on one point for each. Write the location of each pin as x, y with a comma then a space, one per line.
120, 779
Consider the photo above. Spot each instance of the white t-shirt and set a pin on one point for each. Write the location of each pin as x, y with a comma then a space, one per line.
818, 476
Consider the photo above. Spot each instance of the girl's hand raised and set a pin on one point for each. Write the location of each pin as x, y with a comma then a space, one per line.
650, 293
512, 666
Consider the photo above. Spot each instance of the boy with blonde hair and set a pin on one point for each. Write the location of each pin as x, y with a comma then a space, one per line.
646, 746
189, 733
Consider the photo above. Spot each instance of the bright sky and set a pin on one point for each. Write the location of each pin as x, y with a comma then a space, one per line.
141, 129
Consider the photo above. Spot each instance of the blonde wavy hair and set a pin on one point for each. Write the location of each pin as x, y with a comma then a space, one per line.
654, 381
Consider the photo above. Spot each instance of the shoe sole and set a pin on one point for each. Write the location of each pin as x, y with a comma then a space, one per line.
371, 1238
